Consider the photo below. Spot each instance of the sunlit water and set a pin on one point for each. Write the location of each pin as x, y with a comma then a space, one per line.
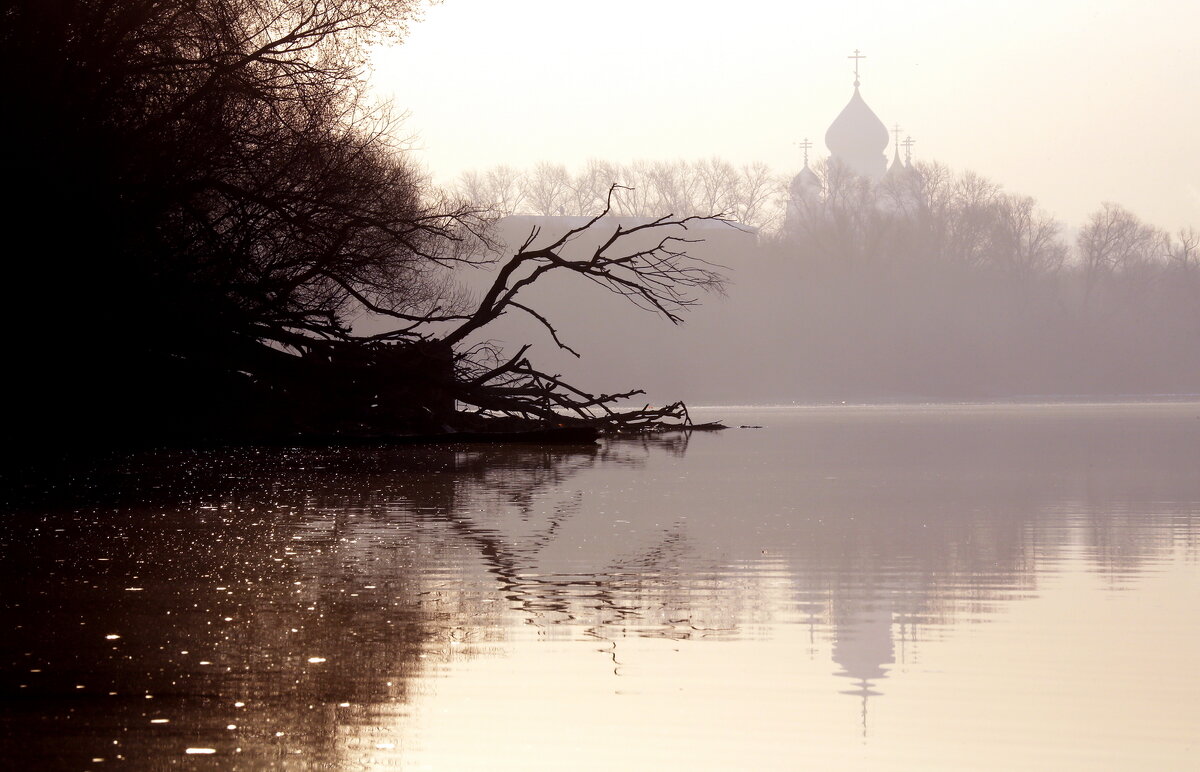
924, 588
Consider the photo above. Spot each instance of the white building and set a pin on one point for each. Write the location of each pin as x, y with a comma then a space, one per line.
856, 140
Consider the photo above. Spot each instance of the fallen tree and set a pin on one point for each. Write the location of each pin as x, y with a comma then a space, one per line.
425, 375
658, 276
206, 201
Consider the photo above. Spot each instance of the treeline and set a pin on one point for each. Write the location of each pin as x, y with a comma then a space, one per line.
935, 283
931, 284
930, 213
749, 194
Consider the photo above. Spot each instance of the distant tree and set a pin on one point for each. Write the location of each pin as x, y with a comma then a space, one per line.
1114, 239
1182, 249
590, 187
1027, 242
750, 195
759, 200
844, 224
1117, 253
1181, 252
548, 189
925, 215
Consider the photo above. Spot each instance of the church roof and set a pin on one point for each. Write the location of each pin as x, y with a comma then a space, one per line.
856, 130
807, 178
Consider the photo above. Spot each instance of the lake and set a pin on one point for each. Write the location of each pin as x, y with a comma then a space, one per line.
946, 587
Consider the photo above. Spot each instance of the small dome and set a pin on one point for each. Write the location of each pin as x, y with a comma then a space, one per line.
806, 180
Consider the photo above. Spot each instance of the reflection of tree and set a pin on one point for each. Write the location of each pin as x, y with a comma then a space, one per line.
385, 563
510, 504
284, 580
912, 523
313, 585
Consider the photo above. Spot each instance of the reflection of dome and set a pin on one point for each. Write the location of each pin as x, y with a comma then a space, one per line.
863, 647
864, 643
857, 138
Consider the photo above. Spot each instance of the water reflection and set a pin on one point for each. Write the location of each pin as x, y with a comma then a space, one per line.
287, 608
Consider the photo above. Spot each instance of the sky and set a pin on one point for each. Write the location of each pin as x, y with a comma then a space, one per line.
1072, 102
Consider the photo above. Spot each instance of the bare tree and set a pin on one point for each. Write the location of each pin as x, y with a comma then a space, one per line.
589, 188
232, 193
1025, 241
759, 201
547, 190
641, 198
717, 186
1115, 242
646, 263
674, 188
750, 195
240, 207
1182, 249
504, 186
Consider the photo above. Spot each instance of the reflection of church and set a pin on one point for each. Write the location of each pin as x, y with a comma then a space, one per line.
857, 140
863, 644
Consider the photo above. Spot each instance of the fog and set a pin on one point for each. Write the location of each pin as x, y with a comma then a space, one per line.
974, 295
332, 449
1038, 240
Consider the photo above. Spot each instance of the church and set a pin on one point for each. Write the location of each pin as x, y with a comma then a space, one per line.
857, 140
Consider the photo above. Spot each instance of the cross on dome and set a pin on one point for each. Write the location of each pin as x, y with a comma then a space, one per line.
857, 138
856, 56
805, 145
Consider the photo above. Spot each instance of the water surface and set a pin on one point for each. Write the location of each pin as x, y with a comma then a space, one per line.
937, 587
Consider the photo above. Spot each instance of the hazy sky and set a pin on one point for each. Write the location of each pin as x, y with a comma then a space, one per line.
1071, 101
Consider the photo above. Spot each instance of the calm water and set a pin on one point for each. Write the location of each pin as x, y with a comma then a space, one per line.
924, 588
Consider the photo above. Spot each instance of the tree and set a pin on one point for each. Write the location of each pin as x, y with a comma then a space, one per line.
223, 188
1182, 254
547, 189
749, 195
758, 200
646, 263
1115, 243
1026, 241
208, 202
1183, 249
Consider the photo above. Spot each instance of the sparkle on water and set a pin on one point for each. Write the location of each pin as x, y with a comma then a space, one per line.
932, 587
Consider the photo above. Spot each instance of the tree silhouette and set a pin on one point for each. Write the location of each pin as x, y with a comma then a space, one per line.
206, 201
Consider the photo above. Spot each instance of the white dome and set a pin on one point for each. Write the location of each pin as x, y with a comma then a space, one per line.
857, 138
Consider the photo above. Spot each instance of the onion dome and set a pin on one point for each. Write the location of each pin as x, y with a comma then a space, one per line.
857, 138
805, 183
898, 168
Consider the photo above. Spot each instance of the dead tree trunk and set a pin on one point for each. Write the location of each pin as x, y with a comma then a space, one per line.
645, 263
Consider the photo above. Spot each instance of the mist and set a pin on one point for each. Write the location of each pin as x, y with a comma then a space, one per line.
930, 285
628, 393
